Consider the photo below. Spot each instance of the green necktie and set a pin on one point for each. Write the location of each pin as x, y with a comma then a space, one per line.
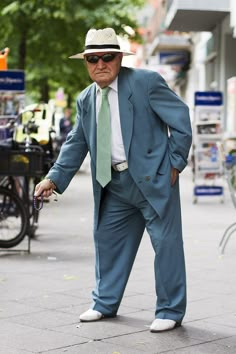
103, 167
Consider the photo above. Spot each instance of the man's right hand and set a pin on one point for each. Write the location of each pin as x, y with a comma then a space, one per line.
45, 188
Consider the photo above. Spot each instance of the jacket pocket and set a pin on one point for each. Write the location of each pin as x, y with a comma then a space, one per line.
165, 163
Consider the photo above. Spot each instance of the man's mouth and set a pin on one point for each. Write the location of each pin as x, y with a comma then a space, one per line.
102, 72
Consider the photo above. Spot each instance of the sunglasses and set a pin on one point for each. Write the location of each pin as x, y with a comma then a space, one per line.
106, 58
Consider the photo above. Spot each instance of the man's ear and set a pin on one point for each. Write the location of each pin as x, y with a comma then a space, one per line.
121, 56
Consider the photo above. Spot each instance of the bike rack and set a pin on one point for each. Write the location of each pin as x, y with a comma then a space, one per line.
18, 250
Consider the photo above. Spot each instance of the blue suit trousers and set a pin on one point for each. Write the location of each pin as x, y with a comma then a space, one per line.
124, 215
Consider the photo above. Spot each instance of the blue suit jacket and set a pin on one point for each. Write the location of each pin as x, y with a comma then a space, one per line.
156, 133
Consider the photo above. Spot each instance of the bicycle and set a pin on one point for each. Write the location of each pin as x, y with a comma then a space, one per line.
22, 166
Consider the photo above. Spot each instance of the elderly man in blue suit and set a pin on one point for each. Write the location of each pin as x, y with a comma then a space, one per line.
148, 146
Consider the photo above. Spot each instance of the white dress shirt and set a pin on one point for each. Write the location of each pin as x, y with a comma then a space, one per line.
117, 146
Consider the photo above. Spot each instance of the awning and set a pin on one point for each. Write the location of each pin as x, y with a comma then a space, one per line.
170, 41
196, 16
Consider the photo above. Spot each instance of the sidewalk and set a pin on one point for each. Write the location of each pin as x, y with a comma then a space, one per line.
43, 293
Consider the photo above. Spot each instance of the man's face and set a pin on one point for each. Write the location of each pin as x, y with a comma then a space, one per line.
103, 72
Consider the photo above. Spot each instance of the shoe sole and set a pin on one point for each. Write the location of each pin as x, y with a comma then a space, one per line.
178, 324
104, 317
98, 319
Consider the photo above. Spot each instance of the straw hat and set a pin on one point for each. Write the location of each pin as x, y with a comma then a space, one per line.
102, 40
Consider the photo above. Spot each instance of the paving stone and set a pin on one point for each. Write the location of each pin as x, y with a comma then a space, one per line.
229, 342
15, 336
205, 348
140, 319
140, 301
106, 328
45, 319
10, 309
52, 301
155, 342
228, 320
96, 347
8, 350
208, 331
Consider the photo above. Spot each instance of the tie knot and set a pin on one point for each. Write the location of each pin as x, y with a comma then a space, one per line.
105, 91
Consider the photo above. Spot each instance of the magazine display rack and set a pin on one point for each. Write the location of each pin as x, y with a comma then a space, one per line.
207, 135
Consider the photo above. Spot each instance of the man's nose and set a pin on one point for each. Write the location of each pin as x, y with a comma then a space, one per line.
101, 63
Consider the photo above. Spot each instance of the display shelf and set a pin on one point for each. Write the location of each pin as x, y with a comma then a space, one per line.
207, 135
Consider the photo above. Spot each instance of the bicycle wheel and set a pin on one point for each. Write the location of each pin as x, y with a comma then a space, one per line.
13, 219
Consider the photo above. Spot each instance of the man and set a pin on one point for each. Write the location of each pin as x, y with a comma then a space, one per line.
149, 144
65, 124
3, 58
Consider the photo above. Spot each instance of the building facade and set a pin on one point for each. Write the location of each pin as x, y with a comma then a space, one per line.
198, 41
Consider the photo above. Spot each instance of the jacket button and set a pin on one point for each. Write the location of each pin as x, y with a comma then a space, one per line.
149, 151
147, 178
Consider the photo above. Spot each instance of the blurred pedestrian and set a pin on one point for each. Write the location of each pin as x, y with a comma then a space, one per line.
138, 134
65, 124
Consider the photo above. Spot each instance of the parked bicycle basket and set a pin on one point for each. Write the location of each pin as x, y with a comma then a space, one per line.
21, 163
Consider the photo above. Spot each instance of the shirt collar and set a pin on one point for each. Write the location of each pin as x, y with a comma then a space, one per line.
113, 85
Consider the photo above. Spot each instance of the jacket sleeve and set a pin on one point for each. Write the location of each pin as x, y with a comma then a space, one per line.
71, 157
175, 114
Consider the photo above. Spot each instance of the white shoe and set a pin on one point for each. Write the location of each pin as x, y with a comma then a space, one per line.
90, 315
160, 325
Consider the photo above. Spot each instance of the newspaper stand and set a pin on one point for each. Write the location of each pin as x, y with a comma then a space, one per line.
207, 133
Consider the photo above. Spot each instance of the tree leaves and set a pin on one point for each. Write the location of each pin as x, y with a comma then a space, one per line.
42, 34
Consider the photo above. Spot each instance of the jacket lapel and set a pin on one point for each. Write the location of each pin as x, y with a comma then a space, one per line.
126, 109
89, 119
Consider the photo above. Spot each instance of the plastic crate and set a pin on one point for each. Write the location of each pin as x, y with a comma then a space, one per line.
21, 163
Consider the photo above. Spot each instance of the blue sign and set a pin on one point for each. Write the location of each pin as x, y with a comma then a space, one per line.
12, 80
208, 190
208, 98
174, 58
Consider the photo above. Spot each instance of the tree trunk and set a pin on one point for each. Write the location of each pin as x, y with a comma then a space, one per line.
69, 100
44, 90
22, 51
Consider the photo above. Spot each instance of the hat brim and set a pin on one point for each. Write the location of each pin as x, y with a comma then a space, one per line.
91, 51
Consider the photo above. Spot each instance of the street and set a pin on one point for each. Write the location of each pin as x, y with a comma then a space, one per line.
43, 293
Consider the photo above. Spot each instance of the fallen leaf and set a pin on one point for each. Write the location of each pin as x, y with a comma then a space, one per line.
71, 277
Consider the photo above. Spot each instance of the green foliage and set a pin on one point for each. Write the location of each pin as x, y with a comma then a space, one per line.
42, 34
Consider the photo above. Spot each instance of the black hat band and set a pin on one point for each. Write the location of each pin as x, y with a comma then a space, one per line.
102, 46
